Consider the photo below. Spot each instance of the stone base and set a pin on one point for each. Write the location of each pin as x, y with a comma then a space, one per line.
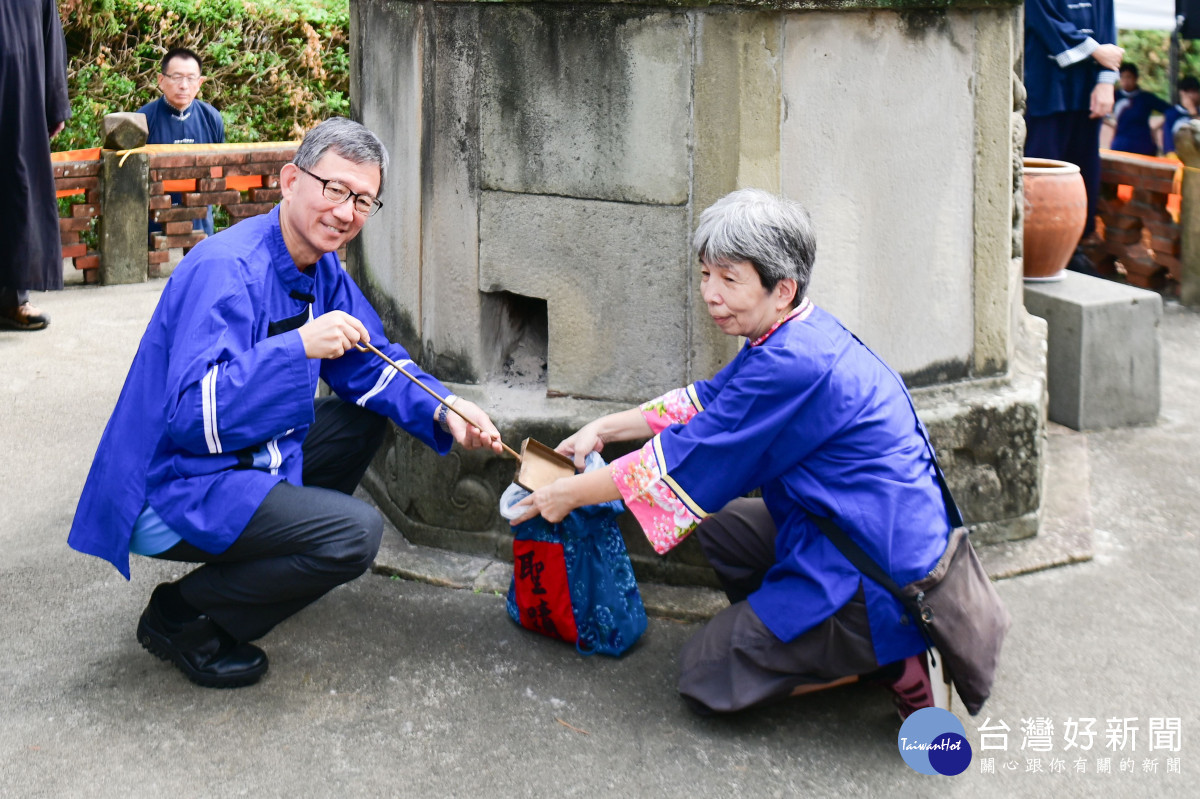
990, 439
989, 435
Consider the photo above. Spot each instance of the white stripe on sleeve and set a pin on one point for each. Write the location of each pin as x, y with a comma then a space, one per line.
385, 377
208, 409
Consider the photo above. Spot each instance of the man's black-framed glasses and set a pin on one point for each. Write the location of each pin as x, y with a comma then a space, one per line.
337, 192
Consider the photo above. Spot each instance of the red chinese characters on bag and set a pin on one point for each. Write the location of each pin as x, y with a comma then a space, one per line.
542, 591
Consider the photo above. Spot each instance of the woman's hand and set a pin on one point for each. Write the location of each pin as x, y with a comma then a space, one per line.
552, 502
555, 501
582, 443
480, 434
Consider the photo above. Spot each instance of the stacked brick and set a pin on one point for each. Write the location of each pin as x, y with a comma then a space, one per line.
1139, 233
74, 176
211, 173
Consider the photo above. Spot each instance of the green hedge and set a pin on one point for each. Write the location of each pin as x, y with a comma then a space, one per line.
1150, 50
274, 67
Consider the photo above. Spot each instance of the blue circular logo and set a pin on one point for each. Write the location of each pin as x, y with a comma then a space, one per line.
933, 741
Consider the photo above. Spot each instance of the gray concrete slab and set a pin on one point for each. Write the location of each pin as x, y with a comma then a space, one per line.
1102, 352
390, 687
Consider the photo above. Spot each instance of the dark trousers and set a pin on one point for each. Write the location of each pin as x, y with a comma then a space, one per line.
302, 541
1074, 137
735, 661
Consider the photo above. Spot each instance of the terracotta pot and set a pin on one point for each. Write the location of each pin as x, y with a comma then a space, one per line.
1055, 213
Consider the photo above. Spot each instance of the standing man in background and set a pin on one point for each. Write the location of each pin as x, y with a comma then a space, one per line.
34, 107
179, 118
1071, 64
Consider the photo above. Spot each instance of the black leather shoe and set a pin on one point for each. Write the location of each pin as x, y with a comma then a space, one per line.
199, 648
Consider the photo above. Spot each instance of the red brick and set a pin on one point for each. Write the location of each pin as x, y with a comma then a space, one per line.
158, 256
159, 201
62, 184
223, 158
171, 160
1166, 246
85, 211
210, 184
216, 171
212, 197
243, 210
180, 173
68, 236
265, 195
274, 154
75, 169
177, 228
74, 224
259, 168
1118, 236
167, 242
1162, 229
1121, 221
91, 276
74, 250
88, 262
93, 196
178, 214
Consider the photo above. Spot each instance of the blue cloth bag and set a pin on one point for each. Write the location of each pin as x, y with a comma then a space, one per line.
573, 580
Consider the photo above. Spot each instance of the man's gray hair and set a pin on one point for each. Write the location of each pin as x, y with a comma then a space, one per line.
774, 234
346, 138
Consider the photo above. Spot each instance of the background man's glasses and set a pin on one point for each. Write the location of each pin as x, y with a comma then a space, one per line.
183, 80
335, 192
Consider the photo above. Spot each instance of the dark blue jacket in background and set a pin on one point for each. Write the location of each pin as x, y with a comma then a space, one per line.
1060, 37
1132, 114
199, 123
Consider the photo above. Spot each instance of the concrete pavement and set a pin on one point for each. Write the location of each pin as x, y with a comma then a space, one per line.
394, 687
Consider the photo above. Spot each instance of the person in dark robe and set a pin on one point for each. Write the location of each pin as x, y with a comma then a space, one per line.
34, 107
1071, 68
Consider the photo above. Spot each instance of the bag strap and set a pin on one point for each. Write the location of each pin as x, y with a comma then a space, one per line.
858, 556
953, 514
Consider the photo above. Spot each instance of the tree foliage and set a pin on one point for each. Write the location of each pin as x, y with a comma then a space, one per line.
274, 67
1150, 50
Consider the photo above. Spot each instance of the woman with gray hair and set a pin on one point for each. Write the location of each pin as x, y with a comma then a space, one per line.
824, 428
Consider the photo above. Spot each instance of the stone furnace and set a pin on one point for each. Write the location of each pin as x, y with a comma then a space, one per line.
549, 161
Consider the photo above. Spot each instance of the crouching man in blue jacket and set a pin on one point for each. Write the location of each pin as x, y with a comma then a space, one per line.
217, 452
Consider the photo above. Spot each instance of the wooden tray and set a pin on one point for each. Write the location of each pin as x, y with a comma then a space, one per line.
541, 465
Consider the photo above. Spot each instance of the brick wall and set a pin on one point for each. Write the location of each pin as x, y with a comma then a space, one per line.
1139, 236
77, 176
242, 179
245, 182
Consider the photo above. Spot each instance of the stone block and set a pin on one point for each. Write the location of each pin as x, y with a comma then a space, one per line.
615, 280
124, 130
388, 96
891, 235
123, 225
588, 102
1103, 354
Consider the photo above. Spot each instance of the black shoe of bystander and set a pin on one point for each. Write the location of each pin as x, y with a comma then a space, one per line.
199, 648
